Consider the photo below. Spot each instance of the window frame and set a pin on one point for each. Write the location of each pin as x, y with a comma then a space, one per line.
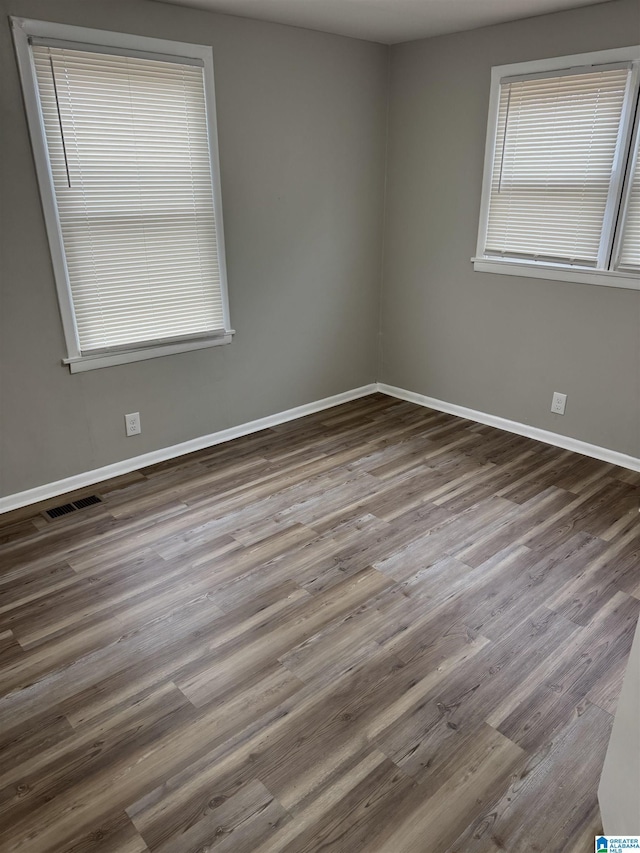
619, 191
23, 30
634, 162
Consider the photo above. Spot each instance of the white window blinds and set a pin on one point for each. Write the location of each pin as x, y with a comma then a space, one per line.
630, 250
129, 151
554, 155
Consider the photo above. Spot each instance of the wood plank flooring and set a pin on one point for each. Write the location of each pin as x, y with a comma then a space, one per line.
378, 628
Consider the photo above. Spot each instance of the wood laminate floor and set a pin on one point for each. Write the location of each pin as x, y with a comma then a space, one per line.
379, 628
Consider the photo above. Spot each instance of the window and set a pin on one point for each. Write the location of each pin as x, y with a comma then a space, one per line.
124, 138
561, 193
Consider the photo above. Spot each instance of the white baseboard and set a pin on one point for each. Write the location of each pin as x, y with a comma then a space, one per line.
126, 466
116, 469
546, 436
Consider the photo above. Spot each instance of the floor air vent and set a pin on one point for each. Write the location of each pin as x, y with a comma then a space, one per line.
65, 509
89, 501
57, 511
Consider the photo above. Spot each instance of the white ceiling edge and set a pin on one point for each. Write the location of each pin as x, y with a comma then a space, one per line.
387, 21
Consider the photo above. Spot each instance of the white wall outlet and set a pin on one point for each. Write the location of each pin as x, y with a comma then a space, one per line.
558, 403
132, 423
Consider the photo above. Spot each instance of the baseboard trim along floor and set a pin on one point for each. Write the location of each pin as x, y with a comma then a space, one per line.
133, 463
544, 435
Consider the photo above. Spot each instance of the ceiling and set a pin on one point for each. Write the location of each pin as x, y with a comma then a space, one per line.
387, 21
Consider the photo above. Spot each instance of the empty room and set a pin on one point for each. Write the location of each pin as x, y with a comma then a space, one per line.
319, 426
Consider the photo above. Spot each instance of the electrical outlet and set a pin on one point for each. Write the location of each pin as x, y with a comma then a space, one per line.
132, 423
558, 403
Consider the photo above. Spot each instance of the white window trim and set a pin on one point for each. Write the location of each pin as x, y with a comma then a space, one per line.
23, 30
534, 269
624, 209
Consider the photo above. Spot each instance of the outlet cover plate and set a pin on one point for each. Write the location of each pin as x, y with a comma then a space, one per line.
558, 403
132, 423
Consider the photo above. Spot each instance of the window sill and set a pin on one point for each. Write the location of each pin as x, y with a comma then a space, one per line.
627, 281
92, 362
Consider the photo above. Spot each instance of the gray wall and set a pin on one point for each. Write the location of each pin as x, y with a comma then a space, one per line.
302, 143
495, 343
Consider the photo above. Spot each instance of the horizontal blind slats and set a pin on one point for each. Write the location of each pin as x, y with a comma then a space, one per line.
556, 139
129, 151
